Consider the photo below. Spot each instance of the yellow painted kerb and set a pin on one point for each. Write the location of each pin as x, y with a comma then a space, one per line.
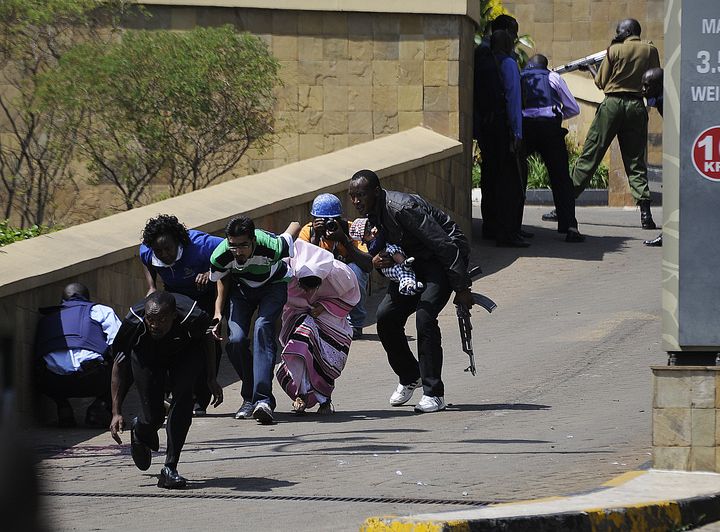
392, 524
622, 479
649, 517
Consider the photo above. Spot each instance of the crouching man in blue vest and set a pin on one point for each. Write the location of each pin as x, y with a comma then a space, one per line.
72, 346
163, 338
546, 102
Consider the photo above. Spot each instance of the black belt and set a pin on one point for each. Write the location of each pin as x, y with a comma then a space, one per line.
625, 95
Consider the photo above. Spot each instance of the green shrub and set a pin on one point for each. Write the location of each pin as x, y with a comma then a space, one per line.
10, 234
538, 176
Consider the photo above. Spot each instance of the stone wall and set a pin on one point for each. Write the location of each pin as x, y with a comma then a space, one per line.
349, 77
103, 254
686, 418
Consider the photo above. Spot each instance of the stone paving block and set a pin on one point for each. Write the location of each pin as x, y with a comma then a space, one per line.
437, 121
336, 73
562, 31
386, 47
360, 23
411, 73
674, 458
702, 388
334, 23
384, 98
436, 99
359, 99
311, 97
285, 23
211, 16
703, 427
309, 23
311, 145
387, 24
289, 72
435, 73
385, 122
360, 122
285, 47
360, 73
286, 147
410, 98
310, 121
310, 48
411, 23
702, 458
671, 427
335, 142
335, 98
335, 48
360, 47
409, 119
411, 47
672, 389
437, 49
359, 138
717, 429
335, 123
287, 98
453, 73
385, 73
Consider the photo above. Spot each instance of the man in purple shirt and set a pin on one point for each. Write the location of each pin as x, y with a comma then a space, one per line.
510, 188
546, 102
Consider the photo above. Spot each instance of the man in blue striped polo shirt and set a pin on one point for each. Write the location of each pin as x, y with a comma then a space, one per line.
252, 275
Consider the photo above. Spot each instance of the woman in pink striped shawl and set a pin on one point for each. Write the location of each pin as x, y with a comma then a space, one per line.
315, 333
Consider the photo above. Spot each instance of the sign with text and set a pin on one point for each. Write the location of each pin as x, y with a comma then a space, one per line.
706, 154
699, 183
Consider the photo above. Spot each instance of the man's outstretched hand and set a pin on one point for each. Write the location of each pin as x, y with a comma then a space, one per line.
117, 425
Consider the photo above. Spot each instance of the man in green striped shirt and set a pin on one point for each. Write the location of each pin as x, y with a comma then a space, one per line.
251, 274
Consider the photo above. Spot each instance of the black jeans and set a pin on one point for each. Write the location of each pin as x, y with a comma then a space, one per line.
547, 137
392, 315
152, 371
501, 183
92, 382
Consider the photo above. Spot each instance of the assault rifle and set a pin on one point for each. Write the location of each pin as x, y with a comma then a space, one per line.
590, 60
463, 316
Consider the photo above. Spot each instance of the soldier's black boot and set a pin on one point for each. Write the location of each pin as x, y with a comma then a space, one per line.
645, 215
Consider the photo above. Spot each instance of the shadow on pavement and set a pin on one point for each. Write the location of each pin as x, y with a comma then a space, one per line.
240, 483
547, 243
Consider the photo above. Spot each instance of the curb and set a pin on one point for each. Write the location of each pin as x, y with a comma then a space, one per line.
655, 515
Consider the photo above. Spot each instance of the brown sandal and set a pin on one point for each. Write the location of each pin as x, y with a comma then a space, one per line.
299, 405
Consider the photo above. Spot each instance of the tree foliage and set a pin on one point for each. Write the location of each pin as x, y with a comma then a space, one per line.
35, 153
179, 108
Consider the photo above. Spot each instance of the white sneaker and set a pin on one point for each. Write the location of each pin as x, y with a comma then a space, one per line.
404, 392
428, 403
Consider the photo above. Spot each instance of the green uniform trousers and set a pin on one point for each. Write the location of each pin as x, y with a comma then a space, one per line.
626, 117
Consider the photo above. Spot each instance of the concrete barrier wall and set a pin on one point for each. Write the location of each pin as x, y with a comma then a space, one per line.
104, 254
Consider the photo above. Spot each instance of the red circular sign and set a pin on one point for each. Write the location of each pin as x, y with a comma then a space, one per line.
706, 154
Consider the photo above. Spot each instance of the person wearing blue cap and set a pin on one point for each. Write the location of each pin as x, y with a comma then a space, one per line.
330, 231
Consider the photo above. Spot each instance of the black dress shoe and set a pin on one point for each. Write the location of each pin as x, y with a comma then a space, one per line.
574, 236
515, 242
526, 234
655, 242
170, 479
141, 453
550, 216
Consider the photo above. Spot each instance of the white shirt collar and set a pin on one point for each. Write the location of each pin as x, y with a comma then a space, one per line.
160, 264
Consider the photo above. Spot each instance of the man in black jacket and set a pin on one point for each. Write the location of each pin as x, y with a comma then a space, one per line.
441, 263
162, 337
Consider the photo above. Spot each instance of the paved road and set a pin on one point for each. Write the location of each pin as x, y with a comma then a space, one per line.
561, 403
